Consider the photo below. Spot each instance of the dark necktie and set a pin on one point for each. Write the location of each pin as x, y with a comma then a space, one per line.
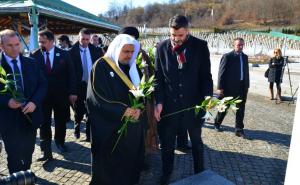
48, 64
18, 77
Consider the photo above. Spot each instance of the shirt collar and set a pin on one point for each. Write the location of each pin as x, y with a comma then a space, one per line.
9, 59
237, 53
82, 48
51, 51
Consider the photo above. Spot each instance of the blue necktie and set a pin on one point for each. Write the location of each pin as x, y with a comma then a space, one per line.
242, 72
85, 75
18, 77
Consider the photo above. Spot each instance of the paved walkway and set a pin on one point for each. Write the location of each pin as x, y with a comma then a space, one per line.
261, 159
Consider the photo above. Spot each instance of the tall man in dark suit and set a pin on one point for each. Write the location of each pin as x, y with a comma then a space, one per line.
19, 132
182, 70
59, 70
233, 80
83, 54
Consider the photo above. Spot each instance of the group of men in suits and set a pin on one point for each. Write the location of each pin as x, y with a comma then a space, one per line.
51, 80
182, 70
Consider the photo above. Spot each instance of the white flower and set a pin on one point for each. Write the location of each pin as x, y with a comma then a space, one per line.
144, 64
207, 97
227, 98
150, 90
197, 106
207, 116
221, 108
233, 107
137, 93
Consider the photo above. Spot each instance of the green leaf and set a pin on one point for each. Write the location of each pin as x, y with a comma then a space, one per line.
2, 81
143, 79
2, 71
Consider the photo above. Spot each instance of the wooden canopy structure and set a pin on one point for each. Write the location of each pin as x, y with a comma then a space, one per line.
29, 16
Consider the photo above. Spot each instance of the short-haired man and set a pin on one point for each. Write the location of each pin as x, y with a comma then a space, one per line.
59, 70
17, 131
233, 80
182, 70
84, 55
64, 42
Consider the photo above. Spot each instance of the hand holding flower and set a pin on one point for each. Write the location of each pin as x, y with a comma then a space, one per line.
29, 108
132, 113
13, 104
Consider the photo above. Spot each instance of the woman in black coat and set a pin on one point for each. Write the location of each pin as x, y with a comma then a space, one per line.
275, 73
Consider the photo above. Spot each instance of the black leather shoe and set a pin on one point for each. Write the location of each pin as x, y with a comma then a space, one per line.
165, 179
45, 157
218, 128
62, 148
240, 133
77, 132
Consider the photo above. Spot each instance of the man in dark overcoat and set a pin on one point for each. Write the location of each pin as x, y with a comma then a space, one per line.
182, 70
233, 81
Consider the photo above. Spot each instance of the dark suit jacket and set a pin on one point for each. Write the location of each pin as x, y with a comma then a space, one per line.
62, 79
230, 72
76, 58
35, 88
182, 88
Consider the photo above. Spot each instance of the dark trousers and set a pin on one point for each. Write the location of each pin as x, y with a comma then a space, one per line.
61, 111
239, 116
167, 134
19, 144
182, 137
80, 109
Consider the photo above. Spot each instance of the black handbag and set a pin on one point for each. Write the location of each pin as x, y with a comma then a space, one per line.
267, 73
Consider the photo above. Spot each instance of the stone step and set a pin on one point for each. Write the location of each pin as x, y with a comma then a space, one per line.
207, 177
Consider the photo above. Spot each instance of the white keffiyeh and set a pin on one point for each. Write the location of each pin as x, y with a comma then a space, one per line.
114, 50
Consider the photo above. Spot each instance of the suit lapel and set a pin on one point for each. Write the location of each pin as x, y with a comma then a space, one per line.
24, 69
79, 60
55, 59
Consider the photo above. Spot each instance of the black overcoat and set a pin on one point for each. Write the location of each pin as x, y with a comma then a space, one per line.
177, 88
107, 100
275, 71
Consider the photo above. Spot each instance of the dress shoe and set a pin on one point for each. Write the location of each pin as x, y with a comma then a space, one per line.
218, 128
62, 148
77, 133
165, 179
45, 157
240, 133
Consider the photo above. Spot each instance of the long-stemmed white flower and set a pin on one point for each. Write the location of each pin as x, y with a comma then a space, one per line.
137, 93
136, 98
